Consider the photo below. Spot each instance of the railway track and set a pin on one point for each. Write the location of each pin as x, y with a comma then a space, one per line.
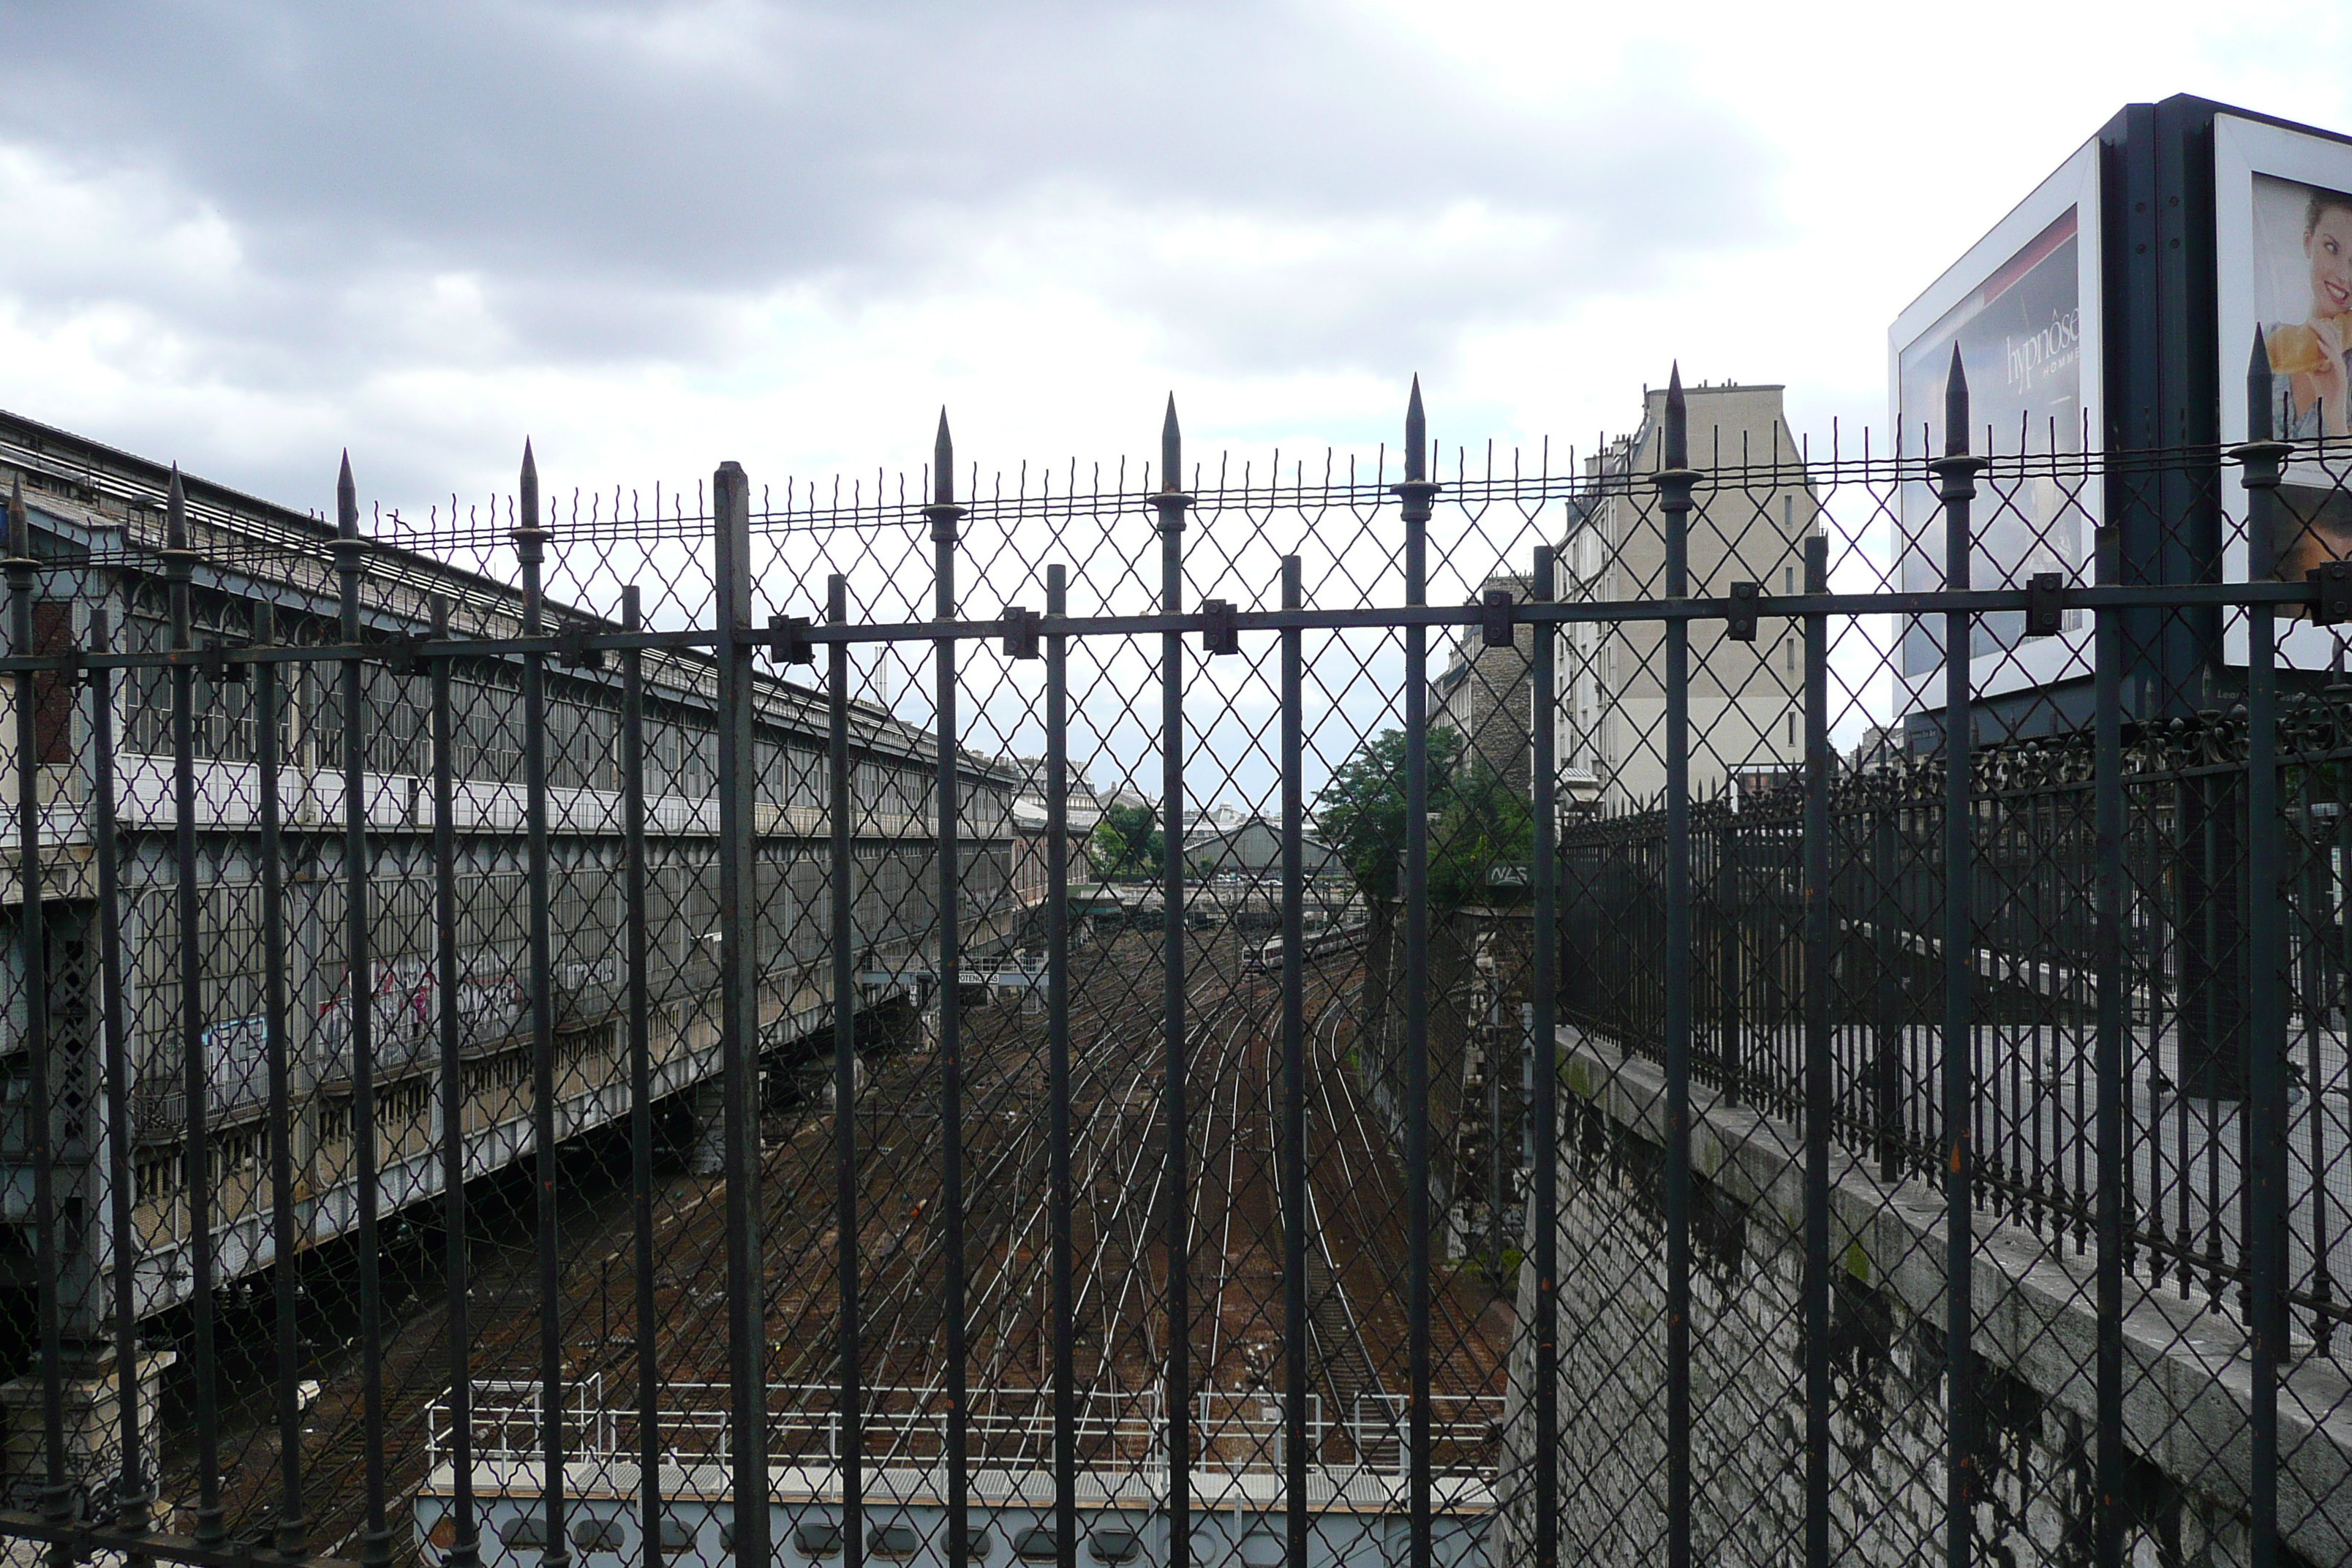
1119, 1209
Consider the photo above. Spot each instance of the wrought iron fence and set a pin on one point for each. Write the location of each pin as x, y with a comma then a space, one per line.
731, 1026
2186, 971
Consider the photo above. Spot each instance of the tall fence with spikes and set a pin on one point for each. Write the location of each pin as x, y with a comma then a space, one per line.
1603, 1012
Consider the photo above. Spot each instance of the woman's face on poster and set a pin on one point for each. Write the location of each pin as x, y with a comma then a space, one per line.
2329, 247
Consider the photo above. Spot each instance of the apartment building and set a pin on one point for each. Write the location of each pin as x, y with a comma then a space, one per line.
1750, 518
1483, 695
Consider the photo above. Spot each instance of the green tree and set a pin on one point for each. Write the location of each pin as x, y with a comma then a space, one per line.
1360, 813
1127, 842
1478, 823
1485, 824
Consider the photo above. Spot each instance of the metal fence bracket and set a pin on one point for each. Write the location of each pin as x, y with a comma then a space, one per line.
1221, 629
791, 643
1739, 611
1020, 632
2045, 603
1498, 623
572, 650
2335, 581
405, 655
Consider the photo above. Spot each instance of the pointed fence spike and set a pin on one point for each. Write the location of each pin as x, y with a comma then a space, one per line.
20, 526
528, 498
1416, 436
347, 499
1172, 450
943, 464
175, 509
1677, 442
2258, 389
1956, 408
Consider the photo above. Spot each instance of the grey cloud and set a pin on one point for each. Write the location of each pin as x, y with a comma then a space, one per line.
619, 175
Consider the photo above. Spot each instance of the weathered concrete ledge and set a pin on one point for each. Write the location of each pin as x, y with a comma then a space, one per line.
2187, 1376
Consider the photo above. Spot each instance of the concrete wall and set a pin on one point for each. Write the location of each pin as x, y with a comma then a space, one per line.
2186, 1374
1455, 940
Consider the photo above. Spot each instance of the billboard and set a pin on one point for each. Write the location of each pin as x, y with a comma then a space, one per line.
2022, 309
2283, 264
2118, 307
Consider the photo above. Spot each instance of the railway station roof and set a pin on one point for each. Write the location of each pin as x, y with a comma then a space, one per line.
103, 508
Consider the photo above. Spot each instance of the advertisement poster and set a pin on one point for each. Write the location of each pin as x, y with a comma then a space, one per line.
2301, 285
2020, 333
2283, 264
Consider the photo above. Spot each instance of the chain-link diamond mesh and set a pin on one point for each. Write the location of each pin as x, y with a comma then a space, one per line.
1180, 1012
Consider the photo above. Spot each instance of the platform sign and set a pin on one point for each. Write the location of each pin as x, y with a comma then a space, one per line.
2023, 307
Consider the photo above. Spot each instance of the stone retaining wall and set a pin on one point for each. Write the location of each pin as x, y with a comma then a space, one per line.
2187, 1377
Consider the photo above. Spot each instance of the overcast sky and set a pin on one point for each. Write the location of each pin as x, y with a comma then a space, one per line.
651, 236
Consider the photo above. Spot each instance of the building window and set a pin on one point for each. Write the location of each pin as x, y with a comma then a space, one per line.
897, 1542
524, 1531
597, 1535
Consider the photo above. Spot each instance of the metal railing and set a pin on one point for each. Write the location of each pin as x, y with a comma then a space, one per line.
2186, 975
1061, 1239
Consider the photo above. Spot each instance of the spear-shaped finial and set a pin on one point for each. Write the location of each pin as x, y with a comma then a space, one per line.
1172, 450
1416, 437
1956, 408
1677, 452
527, 487
20, 527
175, 511
347, 500
2258, 389
943, 464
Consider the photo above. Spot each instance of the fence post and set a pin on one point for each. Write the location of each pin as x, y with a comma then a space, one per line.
1817, 1062
1675, 481
2265, 1153
40, 1122
1415, 495
292, 1528
843, 870
1956, 470
1057, 1050
466, 1550
730, 517
179, 571
531, 541
944, 513
1170, 502
131, 1493
1542, 1108
2112, 1002
359, 967
1293, 1163
643, 1134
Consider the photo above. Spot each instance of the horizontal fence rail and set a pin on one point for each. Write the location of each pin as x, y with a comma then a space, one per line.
1709, 1003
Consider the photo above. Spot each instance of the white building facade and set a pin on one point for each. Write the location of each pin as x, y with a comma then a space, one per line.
1749, 521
